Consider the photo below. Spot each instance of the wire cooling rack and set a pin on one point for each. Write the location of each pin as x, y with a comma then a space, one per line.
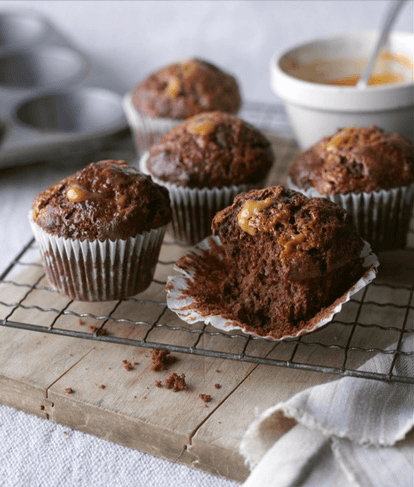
376, 320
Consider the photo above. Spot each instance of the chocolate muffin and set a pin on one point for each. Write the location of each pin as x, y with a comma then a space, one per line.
186, 88
204, 162
210, 150
175, 93
368, 172
100, 231
286, 258
355, 160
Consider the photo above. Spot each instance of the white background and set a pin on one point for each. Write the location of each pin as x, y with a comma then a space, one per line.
134, 38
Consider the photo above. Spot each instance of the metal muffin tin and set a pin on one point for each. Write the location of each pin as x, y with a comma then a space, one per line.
53, 102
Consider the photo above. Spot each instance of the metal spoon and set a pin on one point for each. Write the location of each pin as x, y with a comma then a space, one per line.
394, 8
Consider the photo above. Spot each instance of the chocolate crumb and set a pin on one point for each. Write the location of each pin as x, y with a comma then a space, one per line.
95, 329
127, 365
218, 370
65, 432
136, 363
217, 386
161, 360
69, 390
175, 382
158, 383
81, 322
102, 386
205, 397
42, 408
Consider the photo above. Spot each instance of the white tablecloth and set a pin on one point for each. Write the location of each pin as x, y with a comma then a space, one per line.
37, 453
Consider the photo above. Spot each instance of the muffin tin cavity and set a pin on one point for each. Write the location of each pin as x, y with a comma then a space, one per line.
45, 66
83, 111
53, 101
20, 29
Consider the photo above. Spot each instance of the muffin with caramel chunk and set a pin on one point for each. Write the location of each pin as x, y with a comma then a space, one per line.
368, 172
204, 162
279, 265
100, 231
176, 92
291, 256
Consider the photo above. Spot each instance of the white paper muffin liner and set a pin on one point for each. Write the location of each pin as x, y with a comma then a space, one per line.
146, 131
99, 271
188, 310
193, 209
381, 217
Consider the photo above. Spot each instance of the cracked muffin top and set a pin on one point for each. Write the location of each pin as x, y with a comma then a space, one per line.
186, 88
303, 238
213, 149
355, 160
105, 200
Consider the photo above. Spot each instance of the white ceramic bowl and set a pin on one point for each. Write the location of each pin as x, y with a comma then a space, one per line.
316, 109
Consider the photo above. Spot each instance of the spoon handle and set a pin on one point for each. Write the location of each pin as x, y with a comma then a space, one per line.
394, 8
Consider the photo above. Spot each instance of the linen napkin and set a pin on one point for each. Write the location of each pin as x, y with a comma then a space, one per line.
349, 432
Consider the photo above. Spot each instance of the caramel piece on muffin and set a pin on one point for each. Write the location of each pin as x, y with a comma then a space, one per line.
286, 257
213, 149
105, 200
355, 160
186, 88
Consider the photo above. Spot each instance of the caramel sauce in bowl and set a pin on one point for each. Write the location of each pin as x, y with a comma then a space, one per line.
376, 79
390, 68
317, 83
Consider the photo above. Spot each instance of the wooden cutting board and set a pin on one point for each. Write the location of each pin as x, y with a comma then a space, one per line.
36, 368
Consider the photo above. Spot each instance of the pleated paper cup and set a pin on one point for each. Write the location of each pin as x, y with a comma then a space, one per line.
146, 131
99, 271
193, 209
181, 302
381, 217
